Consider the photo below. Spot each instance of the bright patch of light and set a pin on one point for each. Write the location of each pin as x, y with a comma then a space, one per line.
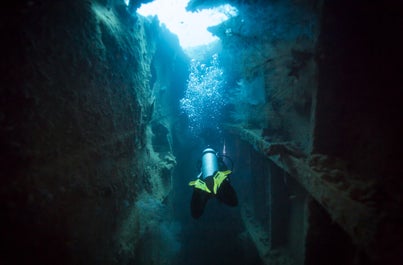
191, 28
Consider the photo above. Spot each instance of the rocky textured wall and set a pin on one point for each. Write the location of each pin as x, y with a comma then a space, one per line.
268, 50
332, 90
77, 101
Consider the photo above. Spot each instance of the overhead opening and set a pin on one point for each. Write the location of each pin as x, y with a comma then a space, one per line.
191, 27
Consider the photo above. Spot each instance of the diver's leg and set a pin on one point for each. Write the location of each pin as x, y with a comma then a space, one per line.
227, 194
198, 202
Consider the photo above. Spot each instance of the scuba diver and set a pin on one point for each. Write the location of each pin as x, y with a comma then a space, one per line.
213, 181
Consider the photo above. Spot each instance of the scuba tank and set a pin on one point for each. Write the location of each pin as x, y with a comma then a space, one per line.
209, 163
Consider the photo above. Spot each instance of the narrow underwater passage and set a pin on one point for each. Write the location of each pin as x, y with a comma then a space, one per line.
257, 90
107, 127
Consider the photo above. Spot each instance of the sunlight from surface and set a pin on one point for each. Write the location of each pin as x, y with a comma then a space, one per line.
191, 28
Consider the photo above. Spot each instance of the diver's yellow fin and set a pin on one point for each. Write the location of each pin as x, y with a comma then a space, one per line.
219, 177
200, 184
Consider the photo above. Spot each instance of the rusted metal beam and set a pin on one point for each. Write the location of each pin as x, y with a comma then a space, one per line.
348, 202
